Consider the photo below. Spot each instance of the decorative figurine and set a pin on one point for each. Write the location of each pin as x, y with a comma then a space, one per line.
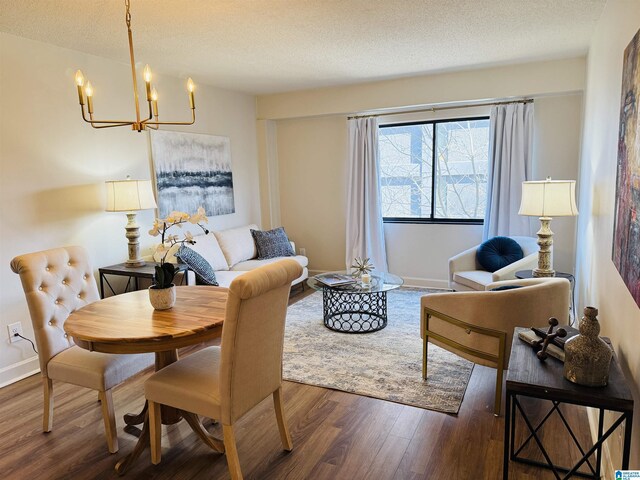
362, 266
542, 344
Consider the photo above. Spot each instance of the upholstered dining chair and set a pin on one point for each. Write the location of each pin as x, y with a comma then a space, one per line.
479, 326
57, 282
225, 382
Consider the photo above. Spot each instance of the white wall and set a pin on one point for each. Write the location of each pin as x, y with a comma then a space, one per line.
599, 283
53, 165
311, 160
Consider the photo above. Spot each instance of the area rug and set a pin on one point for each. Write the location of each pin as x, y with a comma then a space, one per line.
386, 364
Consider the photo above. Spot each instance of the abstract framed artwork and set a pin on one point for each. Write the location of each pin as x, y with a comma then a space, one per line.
192, 170
626, 225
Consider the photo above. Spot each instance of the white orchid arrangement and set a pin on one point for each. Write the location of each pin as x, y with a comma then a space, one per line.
165, 272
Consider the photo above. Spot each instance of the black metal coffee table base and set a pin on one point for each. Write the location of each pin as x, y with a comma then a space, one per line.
351, 311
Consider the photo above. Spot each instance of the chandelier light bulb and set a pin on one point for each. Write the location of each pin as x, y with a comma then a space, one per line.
154, 94
147, 73
79, 78
190, 85
88, 89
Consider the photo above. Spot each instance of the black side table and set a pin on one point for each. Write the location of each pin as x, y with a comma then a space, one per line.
568, 276
529, 377
134, 273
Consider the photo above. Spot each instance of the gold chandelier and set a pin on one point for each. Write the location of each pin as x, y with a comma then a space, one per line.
85, 90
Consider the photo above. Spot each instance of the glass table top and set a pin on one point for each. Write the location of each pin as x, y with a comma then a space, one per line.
380, 282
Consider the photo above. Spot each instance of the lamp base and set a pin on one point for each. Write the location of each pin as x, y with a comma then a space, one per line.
537, 272
134, 263
545, 241
133, 234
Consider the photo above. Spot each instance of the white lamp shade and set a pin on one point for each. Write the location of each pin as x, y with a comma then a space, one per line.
129, 195
549, 198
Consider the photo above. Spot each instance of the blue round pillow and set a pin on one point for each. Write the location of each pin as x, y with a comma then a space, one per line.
498, 252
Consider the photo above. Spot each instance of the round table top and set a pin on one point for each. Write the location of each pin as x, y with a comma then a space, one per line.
127, 323
380, 282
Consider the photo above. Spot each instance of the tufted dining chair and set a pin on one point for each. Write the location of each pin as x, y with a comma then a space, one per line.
479, 326
57, 282
225, 382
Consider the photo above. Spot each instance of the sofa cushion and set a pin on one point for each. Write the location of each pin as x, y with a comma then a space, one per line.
200, 266
498, 252
237, 244
225, 277
207, 246
476, 279
255, 263
272, 243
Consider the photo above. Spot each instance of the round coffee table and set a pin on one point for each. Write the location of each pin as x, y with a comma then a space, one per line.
355, 308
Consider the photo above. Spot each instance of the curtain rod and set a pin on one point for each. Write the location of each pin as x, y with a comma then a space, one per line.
436, 109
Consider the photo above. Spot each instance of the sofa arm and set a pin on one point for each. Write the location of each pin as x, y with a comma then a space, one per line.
463, 262
509, 272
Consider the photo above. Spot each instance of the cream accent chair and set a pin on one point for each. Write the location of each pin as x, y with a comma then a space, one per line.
57, 282
479, 326
225, 382
466, 274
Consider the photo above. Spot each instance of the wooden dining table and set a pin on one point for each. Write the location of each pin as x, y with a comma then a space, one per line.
128, 323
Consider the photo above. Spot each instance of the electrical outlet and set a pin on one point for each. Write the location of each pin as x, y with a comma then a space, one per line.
303, 252
13, 329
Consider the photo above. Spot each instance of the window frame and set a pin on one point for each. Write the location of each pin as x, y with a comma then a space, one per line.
431, 219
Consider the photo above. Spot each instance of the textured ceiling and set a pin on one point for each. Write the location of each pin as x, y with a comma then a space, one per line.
265, 46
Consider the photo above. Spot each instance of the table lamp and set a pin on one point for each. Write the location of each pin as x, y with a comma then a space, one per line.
546, 199
130, 196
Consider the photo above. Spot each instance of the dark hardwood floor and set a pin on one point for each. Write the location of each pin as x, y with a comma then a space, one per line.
336, 435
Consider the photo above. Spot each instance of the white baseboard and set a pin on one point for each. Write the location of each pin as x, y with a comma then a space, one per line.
408, 281
23, 369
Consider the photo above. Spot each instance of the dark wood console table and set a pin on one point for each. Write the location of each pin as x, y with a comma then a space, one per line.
529, 377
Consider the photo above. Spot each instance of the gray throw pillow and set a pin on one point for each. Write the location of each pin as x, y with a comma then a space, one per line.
205, 274
272, 243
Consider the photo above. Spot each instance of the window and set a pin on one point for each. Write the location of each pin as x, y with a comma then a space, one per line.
454, 191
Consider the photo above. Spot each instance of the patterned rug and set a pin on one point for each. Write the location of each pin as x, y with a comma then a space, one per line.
386, 364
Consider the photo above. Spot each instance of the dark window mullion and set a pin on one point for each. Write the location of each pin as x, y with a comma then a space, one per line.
433, 169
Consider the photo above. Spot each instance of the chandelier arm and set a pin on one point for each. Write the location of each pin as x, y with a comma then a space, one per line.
114, 123
193, 120
150, 113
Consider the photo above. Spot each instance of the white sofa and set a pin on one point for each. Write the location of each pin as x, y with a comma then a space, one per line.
466, 274
233, 252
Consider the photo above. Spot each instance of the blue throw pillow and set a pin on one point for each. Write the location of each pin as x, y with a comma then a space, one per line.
505, 287
205, 274
498, 252
272, 243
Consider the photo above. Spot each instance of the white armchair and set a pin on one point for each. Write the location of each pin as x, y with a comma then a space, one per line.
466, 274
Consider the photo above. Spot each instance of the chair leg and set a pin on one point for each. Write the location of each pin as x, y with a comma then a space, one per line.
109, 417
282, 422
425, 343
47, 417
155, 432
232, 452
498, 402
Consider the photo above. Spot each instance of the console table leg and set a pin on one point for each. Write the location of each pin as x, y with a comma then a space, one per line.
507, 439
626, 449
